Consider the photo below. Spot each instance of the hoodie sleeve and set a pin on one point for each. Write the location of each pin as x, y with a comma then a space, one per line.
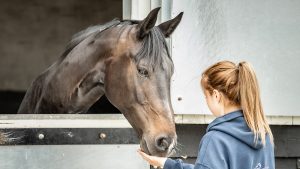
209, 156
178, 164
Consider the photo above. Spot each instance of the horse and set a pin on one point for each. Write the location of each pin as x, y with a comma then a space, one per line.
129, 62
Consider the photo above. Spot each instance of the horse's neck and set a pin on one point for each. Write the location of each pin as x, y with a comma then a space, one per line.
48, 94
72, 84
91, 87
77, 86
33, 95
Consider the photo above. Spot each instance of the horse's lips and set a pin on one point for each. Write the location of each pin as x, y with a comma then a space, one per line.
144, 147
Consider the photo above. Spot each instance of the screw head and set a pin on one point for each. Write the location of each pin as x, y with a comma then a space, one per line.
41, 136
102, 135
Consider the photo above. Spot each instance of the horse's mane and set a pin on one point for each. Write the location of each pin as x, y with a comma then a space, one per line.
153, 44
80, 36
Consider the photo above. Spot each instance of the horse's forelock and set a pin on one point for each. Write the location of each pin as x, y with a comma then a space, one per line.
155, 52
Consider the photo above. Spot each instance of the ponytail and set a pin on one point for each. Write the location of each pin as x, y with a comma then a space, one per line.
251, 103
239, 84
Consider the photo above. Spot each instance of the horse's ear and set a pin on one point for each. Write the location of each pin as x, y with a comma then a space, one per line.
148, 23
168, 27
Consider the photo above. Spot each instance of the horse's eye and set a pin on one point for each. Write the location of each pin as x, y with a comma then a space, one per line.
143, 72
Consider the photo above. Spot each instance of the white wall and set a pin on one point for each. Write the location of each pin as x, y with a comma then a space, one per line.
265, 33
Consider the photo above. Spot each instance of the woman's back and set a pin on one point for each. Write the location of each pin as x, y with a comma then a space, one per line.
229, 143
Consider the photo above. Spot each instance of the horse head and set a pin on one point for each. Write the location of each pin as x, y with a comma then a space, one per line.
137, 81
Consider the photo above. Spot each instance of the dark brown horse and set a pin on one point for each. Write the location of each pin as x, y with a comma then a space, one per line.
129, 62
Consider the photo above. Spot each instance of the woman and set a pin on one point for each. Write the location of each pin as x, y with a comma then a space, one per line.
239, 137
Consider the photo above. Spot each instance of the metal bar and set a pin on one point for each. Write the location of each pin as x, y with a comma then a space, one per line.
64, 136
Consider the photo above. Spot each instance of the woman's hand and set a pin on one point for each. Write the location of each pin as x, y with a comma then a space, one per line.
153, 160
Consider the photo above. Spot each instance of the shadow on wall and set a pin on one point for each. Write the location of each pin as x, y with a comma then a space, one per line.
11, 100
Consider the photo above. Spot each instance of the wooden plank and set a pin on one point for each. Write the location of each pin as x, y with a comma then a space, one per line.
64, 121
287, 141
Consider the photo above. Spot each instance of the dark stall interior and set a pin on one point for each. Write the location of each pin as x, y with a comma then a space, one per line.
34, 34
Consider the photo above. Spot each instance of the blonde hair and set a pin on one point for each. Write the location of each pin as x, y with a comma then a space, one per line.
239, 84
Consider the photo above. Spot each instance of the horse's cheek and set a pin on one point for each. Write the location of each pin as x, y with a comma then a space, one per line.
115, 83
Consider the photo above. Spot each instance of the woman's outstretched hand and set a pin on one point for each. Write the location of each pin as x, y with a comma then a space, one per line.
153, 160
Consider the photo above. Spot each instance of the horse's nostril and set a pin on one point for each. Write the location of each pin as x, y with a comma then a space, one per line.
163, 143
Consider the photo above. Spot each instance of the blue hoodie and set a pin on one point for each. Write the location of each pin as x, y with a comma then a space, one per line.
229, 144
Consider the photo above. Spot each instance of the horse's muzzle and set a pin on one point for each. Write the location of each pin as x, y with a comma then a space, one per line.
162, 143
161, 146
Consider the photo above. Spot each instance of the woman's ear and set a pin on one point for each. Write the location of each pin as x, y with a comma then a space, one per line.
217, 95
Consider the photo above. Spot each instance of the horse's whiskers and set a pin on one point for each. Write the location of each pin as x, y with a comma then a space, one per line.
178, 147
6, 138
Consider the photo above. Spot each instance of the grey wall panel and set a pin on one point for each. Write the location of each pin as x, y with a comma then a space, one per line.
265, 33
71, 157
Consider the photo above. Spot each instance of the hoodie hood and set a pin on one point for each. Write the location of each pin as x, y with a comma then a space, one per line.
235, 125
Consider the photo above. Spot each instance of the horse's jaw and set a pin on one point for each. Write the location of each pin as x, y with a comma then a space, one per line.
143, 146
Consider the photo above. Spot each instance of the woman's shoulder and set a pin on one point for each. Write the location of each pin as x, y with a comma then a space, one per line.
212, 147
214, 137
214, 140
